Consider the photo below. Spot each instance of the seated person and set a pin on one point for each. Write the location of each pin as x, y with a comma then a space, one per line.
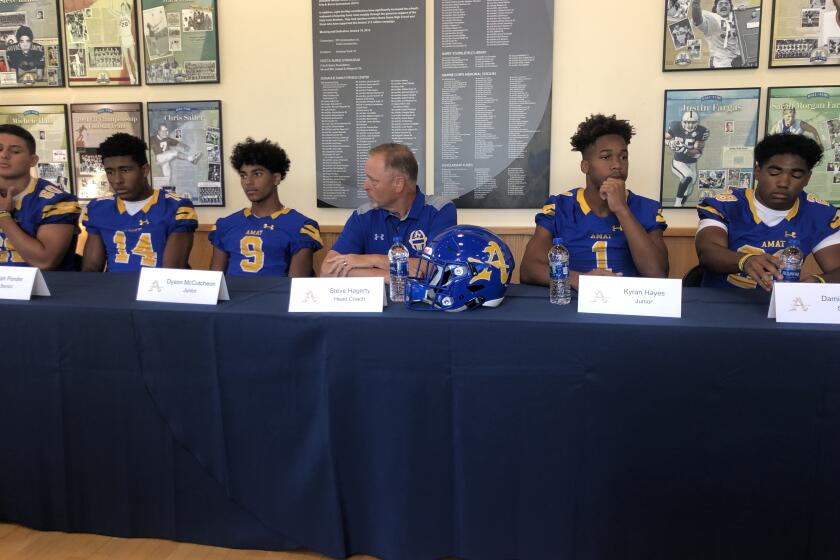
397, 208
267, 238
38, 220
608, 230
140, 226
740, 232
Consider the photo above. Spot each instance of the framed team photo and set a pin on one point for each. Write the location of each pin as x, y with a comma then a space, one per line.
30, 44
48, 125
812, 111
101, 42
805, 33
185, 140
181, 40
711, 34
708, 142
90, 125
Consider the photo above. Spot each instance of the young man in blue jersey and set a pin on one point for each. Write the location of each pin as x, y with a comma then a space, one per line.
396, 208
38, 220
267, 238
608, 230
137, 226
741, 232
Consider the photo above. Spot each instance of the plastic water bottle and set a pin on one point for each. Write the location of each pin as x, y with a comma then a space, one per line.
791, 259
559, 290
398, 264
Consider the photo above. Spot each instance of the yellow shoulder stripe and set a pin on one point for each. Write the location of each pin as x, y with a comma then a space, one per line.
312, 232
61, 208
710, 210
186, 214
548, 209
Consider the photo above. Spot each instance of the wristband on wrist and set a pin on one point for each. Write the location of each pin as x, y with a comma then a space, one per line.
743, 261
819, 278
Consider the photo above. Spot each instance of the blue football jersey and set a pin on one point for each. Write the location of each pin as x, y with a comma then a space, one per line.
134, 242
41, 203
595, 242
809, 221
264, 246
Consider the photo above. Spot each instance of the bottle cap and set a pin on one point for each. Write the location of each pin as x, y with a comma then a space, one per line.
793, 242
395, 240
557, 241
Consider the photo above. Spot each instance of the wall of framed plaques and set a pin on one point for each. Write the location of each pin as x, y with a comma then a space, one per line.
30, 44
604, 60
101, 42
805, 33
181, 42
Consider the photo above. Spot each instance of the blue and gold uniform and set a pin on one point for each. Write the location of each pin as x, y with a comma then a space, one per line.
809, 221
134, 242
371, 230
40, 204
595, 242
264, 246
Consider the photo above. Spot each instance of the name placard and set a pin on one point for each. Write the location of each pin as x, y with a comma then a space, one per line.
616, 295
795, 302
337, 295
171, 285
21, 283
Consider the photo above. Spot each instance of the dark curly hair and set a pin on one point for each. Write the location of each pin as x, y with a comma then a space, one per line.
122, 144
21, 133
600, 125
265, 153
795, 144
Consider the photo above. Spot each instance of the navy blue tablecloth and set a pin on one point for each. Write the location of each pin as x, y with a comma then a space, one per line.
528, 431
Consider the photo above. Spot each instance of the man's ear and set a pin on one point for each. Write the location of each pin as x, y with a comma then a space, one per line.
584, 166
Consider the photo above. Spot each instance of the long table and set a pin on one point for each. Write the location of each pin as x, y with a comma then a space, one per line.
527, 431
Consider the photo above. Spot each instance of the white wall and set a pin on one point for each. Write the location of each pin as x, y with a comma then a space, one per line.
607, 58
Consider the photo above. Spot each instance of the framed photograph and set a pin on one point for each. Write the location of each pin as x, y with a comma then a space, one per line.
811, 111
185, 139
182, 41
30, 44
805, 33
711, 34
48, 124
101, 42
91, 124
709, 136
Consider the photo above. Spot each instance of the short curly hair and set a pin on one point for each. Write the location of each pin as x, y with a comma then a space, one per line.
794, 144
122, 144
600, 125
264, 153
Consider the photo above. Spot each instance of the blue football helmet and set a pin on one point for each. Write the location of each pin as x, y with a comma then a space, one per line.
463, 267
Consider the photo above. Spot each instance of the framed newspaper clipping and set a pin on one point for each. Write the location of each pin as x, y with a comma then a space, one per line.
48, 125
812, 111
181, 41
709, 136
185, 139
101, 42
91, 124
30, 44
711, 34
805, 33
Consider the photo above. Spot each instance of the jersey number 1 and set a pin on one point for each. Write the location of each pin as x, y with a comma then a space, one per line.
600, 250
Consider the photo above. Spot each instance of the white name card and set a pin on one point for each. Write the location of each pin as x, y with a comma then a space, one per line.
795, 302
21, 283
171, 285
616, 295
337, 295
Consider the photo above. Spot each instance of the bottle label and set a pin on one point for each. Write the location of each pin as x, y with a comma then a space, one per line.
790, 274
558, 271
399, 268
